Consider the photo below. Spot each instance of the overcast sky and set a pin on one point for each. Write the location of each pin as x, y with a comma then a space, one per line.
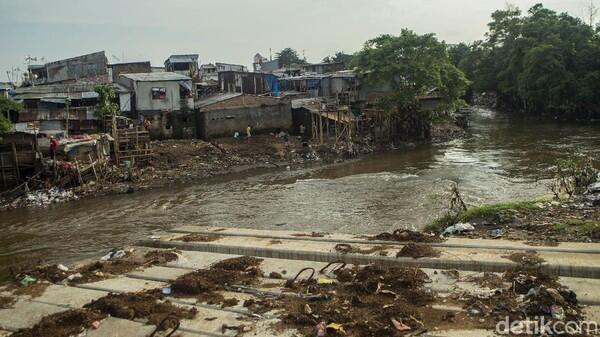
230, 30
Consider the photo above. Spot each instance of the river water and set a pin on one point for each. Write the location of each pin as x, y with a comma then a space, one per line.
502, 158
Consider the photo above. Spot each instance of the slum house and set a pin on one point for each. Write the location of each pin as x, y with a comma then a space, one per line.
164, 99
262, 64
323, 68
58, 109
18, 158
186, 65
116, 69
225, 113
89, 66
242, 82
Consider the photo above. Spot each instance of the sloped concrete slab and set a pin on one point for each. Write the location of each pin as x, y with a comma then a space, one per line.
26, 314
159, 274
68, 296
122, 284
116, 327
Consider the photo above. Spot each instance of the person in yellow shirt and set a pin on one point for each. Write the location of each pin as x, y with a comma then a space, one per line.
248, 131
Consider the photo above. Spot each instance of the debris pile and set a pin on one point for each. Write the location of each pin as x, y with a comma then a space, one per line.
68, 323
418, 251
203, 284
528, 258
116, 262
149, 306
195, 237
370, 301
405, 235
344, 248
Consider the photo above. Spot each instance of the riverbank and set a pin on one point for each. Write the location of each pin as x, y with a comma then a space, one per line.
537, 222
188, 161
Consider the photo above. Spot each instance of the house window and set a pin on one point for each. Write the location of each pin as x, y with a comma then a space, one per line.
159, 93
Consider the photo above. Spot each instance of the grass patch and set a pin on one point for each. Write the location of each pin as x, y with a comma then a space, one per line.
584, 226
481, 212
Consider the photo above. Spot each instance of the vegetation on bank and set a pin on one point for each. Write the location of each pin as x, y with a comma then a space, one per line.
7, 106
540, 62
484, 212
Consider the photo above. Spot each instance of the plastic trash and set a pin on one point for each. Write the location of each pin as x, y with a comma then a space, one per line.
400, 326
336, 327
114, 254
497, 233
320, 330
74, 277
459, 228
557, 312
325, 281
95, 324
166, 291
62, 267
26, 279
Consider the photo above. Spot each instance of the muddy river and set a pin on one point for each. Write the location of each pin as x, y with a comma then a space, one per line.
502, 158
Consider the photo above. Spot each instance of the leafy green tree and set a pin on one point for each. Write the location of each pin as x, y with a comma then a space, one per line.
289, 57
341, 57
107, 106
7, 106
412, 65
537, 62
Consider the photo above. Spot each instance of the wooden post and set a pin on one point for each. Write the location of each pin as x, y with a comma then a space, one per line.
16, 163
2, 170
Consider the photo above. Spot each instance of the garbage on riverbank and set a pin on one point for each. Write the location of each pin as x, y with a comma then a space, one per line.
33, 281
67, 323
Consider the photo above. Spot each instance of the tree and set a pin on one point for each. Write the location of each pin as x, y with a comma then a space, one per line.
538, 62
412, 65
7, 106
341, 57
107, 107
289, 57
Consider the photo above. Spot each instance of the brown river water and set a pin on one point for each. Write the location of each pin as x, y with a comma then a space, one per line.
502, 158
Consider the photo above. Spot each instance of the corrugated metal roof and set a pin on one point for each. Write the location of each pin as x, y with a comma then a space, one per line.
155, 77
183, 58
216, 99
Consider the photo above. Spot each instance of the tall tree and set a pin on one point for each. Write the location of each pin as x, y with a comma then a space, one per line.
107, 106
412, 65
289, 57
538, 62
341, 57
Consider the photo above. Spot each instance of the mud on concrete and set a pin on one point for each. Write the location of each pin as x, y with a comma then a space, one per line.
529, 258
196, 237
417, 251
405, 235
68, 323
204, 284
150, 306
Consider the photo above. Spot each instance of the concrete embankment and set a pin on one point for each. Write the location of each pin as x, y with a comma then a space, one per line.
286, 254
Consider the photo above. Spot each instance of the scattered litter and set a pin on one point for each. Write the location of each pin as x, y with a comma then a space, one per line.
62, 267
166, 291
459, 228
496, 233
400, 326
26, 280
114, 254
325, 281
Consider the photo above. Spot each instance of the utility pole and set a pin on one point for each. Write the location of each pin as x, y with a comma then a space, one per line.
592, 12
29, 59
68, 102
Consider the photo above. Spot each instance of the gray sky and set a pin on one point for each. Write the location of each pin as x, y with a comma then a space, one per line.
231, 30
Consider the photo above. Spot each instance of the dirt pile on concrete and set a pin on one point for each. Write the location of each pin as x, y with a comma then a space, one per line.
145, 305
529, 258
68, 323
418, 251
345, 248
203, 284
7, 301
196, 237
405, 235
